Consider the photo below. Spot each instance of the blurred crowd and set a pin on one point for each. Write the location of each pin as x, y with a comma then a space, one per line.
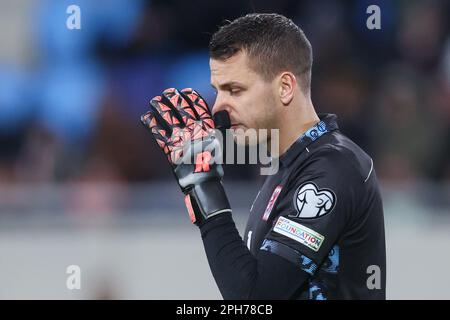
70, 100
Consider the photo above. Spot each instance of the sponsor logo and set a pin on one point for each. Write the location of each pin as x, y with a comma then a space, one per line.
312, 202
299, 233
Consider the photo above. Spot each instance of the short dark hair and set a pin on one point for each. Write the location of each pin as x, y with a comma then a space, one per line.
273, 43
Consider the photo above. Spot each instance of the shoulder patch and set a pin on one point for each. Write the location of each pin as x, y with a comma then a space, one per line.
312, 202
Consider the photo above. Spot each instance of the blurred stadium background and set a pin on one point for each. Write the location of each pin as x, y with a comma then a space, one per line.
82, 183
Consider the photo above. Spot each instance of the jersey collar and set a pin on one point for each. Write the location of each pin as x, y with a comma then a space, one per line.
327, 123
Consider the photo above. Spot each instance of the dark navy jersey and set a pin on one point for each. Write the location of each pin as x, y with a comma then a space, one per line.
322, 212
315, 230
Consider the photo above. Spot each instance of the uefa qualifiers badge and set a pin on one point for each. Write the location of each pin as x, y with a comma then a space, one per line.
271, 203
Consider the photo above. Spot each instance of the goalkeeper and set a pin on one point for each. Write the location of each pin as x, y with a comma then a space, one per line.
316, 228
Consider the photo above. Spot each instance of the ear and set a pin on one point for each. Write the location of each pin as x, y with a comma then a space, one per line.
287, 85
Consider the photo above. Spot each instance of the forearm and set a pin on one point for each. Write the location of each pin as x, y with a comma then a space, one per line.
239, 274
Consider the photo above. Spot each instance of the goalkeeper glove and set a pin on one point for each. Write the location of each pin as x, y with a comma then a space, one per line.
184, 129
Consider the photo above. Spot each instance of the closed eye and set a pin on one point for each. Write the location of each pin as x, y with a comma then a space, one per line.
233, 88
235, 91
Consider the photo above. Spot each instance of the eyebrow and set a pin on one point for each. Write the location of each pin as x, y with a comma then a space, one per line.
227, 85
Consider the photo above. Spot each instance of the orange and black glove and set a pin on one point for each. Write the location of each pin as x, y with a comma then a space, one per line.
183, 127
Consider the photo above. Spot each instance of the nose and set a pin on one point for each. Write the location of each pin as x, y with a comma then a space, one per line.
219, 105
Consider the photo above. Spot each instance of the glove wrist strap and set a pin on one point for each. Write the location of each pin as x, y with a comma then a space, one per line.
206, 200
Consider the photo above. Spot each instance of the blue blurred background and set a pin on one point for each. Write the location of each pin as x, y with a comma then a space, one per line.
75, 159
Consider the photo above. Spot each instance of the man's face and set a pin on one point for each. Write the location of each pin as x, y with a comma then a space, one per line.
249, 99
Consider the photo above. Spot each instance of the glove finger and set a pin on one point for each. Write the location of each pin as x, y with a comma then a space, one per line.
204, 122
187, 110
159, 134
184, 107
178, 134
196, 127
188, 105
171, 146
198, 105
167, 111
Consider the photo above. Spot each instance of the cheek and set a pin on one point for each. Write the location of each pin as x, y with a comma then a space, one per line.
256, 109
252, 111
265, 109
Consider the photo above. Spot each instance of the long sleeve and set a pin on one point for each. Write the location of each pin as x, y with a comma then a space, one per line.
241, 275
